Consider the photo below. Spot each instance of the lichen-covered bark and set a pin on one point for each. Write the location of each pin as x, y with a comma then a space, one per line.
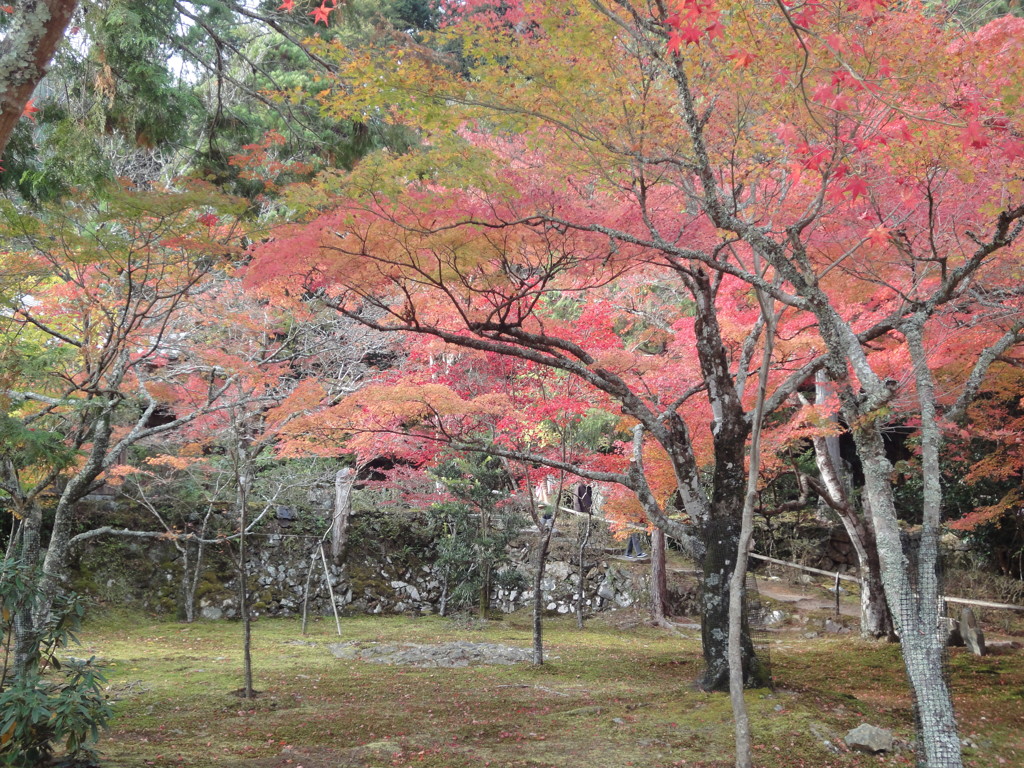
730, 430
875, 620
659, 582
719, 563
914, 607
36, 30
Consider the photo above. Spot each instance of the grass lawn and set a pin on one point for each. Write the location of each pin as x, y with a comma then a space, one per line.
608, 696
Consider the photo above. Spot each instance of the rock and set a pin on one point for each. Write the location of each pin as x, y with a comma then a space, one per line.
951, 628
212, 613
824, 738
344, 650
971, 633
605, 591
869, 738
558, 570
833, 627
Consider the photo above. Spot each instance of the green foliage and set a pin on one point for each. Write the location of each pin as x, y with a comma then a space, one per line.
597, 430
476, 529
973, 14
39, 713
27, 447
47, 701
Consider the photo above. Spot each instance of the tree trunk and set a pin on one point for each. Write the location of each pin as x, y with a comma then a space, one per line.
923, 640
543, 544
875, 617
242, 491
916, 623
188, 595
485, 567
36, 30
582, 503
191, 578
875, 620
722, 543
26, 623
737, 584
659, 581
914, 607
443, 605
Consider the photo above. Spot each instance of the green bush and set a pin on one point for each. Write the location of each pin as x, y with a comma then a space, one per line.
47, 702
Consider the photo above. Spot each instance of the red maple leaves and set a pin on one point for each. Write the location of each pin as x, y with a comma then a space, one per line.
30, 110
692, 20
321, 14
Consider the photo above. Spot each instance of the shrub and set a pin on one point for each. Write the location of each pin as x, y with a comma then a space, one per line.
46, 702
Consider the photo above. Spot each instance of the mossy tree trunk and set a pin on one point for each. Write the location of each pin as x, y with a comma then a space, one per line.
659, 579
35, 31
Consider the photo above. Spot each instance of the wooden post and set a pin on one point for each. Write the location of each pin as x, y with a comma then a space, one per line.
330, 589
343, 482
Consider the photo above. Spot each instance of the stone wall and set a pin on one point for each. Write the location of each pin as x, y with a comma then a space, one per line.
387, 569
814, 543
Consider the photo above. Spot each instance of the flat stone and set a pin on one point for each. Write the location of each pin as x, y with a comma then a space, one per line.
212, 613
869, 738
451, 655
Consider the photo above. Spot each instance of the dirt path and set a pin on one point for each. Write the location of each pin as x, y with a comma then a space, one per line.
806, 598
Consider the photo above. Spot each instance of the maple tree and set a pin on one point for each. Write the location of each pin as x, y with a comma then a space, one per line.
261, 356
97, 294
600, 142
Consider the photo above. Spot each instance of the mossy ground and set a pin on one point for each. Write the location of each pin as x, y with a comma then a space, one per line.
608, 696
